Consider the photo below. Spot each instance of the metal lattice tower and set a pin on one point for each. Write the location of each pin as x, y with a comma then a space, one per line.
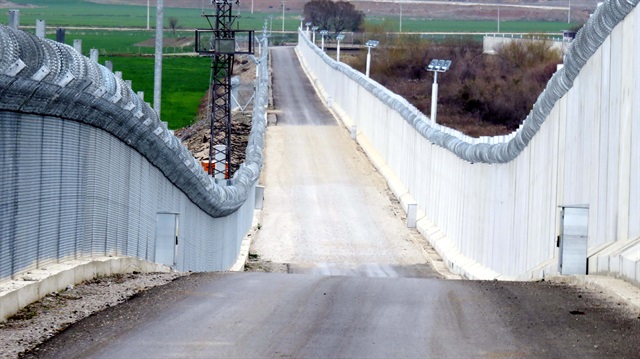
220, 43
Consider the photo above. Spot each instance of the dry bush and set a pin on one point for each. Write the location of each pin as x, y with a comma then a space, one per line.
481, 95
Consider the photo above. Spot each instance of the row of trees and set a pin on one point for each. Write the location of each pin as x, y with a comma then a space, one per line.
333, 16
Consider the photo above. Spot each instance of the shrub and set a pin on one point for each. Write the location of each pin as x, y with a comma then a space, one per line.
481, 94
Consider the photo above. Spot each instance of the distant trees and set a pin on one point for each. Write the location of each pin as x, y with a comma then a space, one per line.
173, 24
333, 16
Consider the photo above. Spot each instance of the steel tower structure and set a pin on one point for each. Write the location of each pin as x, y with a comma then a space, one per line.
220, 43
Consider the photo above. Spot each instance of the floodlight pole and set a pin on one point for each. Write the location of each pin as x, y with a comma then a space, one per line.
436, 66
323, 33
369, 44
434, 97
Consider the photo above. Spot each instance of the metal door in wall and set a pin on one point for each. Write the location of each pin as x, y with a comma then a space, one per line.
573, 240
166, 238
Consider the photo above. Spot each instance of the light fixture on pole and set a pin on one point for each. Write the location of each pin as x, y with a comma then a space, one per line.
339, 37
314, 29
323, 33
370, 44
436, 66
301, 20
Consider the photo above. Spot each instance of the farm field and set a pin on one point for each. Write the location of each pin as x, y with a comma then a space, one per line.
118, 31
89, 14
184, 82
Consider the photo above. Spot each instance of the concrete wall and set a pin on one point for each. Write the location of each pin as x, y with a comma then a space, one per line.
492, 217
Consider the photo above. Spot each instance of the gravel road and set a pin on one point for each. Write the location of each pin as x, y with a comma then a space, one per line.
326, 210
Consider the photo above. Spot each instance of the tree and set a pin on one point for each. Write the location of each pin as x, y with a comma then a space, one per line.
173, 24
333, 16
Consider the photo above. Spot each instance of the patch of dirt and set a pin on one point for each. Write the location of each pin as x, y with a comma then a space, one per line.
168, 42
257, 264
4, 4
43, 319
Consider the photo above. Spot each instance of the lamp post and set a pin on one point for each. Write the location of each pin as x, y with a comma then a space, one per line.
323, 33
314, 29
370, 44
436, 66
301, 21
339, 37
308, 34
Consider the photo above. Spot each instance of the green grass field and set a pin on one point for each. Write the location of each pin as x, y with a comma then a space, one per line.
184, 82
81, 13
120, 42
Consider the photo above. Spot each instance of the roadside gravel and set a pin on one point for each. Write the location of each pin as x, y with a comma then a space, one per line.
55, 312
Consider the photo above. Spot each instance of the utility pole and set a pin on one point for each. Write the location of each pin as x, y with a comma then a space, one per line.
219, 42
157, 83
400, 17
283, 16
148, 11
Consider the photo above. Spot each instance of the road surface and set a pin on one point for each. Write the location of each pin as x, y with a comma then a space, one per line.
274, 315
326, 208
328, 212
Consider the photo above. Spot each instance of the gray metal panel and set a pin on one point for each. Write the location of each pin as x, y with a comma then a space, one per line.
69, 190
574, 255
574, 240
166, 232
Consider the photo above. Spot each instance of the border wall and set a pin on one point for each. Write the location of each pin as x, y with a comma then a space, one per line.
88, 169
490, 206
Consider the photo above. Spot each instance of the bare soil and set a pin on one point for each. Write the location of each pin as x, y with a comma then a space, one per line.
55, 312
168, 42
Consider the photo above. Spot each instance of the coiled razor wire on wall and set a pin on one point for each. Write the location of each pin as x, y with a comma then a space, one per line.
587, 41
43, 77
